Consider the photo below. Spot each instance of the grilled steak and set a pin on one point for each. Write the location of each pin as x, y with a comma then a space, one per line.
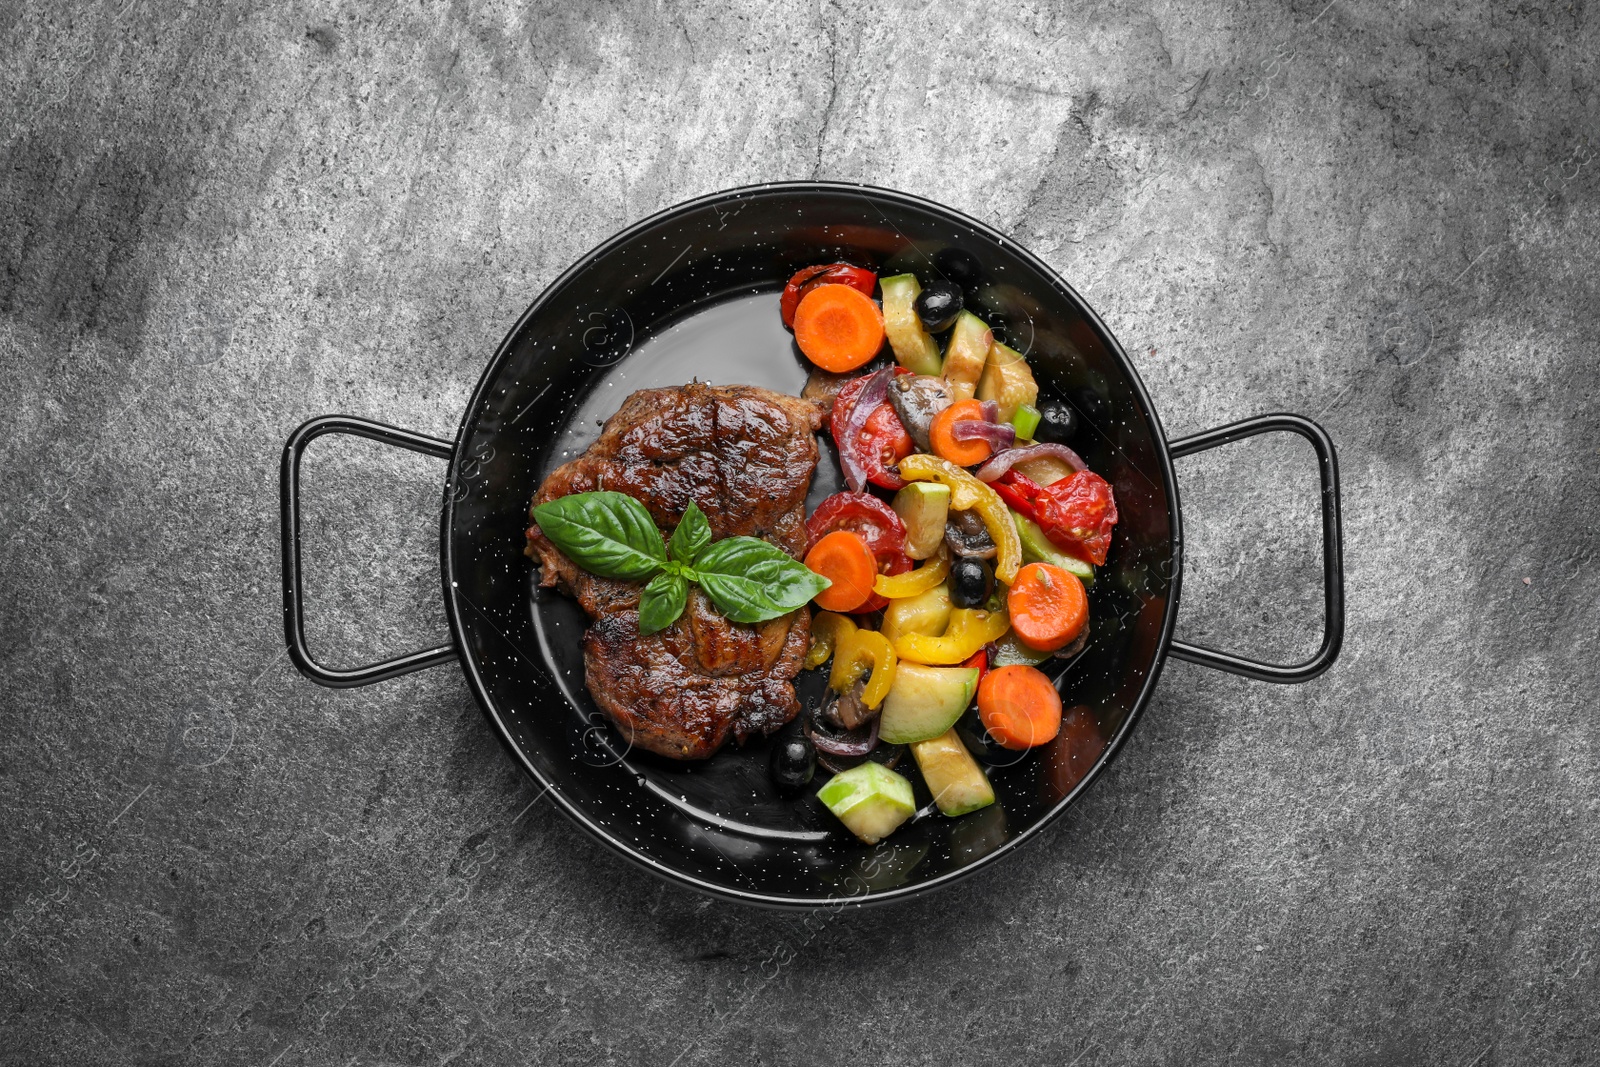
745, 456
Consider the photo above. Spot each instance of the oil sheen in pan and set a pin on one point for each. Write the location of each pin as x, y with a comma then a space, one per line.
736, 341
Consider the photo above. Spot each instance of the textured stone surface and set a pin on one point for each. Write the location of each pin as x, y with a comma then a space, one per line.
217, 221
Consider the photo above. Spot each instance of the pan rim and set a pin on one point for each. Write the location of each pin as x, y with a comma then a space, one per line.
573, 810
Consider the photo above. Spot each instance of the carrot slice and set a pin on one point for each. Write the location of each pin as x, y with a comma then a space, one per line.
1019, 706
845, 560
942, 435
1048, 606
838, 328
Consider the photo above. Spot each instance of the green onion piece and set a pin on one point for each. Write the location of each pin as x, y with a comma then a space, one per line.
1026, 420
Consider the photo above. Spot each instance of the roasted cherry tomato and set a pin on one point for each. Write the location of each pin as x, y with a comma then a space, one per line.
860, 513
823, 274
878, 525
1076, 513
882, 442
845, 398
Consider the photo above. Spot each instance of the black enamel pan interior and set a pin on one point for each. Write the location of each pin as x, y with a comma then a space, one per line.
692, 293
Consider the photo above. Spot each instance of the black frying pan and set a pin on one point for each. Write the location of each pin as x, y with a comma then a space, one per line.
691, 292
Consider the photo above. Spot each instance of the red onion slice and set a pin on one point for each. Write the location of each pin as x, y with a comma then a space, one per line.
850, 744
991, 411
875, 392
1004, 461
999, 434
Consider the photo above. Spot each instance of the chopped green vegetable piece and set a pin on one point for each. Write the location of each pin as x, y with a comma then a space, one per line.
1026, 420
1037, 548
924, 702
954, 778
870, 799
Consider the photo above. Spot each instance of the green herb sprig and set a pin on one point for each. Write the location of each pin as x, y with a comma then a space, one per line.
612, 535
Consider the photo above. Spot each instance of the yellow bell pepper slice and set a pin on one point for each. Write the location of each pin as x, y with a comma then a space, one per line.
969, 630
858, 651
828, 630
924, 578
967, 493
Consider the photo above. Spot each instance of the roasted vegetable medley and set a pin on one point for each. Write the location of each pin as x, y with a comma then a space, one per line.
957, 561
934, 588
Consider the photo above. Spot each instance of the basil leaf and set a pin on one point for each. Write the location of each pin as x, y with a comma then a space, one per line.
752, 581
608, 534
662, 602
693, 534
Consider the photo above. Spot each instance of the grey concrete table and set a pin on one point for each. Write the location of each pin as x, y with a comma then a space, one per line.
218, 220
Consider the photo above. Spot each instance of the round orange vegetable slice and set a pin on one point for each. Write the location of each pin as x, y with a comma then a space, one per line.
1048, 606
838, 328
844, 559
1019, 706
942, 435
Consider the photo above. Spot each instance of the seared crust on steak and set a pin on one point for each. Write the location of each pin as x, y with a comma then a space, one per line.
745, 455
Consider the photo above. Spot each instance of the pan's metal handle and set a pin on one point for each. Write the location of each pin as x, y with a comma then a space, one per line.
293, 607
1332, 551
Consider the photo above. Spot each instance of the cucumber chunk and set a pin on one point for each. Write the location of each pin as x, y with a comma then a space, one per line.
870, 799
954, 778
966, 355
1045, 470
924, 702
924, 507
1007, 381
1008, 651
914, 347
